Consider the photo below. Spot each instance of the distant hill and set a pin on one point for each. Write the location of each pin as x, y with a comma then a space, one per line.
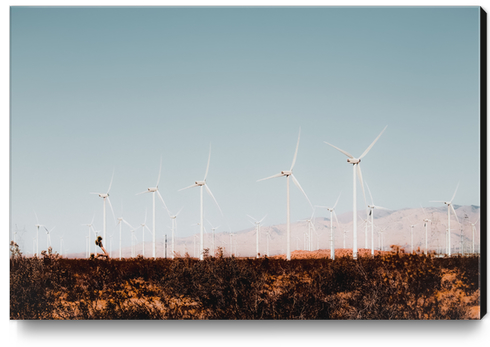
396, 226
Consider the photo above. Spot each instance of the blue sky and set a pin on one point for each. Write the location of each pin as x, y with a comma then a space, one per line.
100, 89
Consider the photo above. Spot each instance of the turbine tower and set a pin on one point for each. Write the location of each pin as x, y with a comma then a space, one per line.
289, 173
203, 184
155, 190
448, 232
105, 196
257, 231
356, 167
332, 214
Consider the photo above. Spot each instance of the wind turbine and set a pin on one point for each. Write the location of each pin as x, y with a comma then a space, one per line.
37, 234
448, 232
257, 232
105, 196
356, 167
213, 229
411, 233
48, 237
371, 213
426, 221
174, 226
332, 214
473, 231
289, 173
143, 226
203, 184
155, 190
268, 233
90, 226
121, 220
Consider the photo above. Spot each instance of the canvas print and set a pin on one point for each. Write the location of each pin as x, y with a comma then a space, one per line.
246, 163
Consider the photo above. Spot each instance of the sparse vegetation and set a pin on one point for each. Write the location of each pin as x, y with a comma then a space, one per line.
396, 286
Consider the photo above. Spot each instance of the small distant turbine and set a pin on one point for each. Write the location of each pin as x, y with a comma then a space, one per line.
105, 196
155, 190
426, 221
371, 213
356, 167
213, 229
332, 214
37, 234
90, 227
143, 226
203, 184
174, 227
257, 232
449, 208
473, 227
289, 173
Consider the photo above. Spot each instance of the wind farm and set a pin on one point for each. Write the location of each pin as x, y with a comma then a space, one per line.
243, 112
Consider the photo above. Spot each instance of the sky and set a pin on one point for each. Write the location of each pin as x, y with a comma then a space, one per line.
102, 90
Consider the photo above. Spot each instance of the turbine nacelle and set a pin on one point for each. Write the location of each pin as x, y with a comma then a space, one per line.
287, 173
353, 161
152, 190
106, 195
200, 183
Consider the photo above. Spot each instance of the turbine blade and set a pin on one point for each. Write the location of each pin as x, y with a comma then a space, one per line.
299, 186
369, 191
437, 201
129, 225
209, 191
423, 210
159, 172
163, 202
207, 167
110, 184
151, 232
112, 210
337, 148
274, 176
477, 220
454, 193
94, 193
37, 220
296, 152
336, 202
359, 174
179, 211
381, 208
372, 144
455, 215
252, 217
92, 222
260, 221
146, 191
194, 185
335, 215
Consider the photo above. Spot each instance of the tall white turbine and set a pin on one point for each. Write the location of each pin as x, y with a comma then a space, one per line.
203, 184
105, 196
448, 232
372, 207
356, 165
257, 232
173, 217
268, 233
426, 221
332, 215
155, 190
289, 173
473, 228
